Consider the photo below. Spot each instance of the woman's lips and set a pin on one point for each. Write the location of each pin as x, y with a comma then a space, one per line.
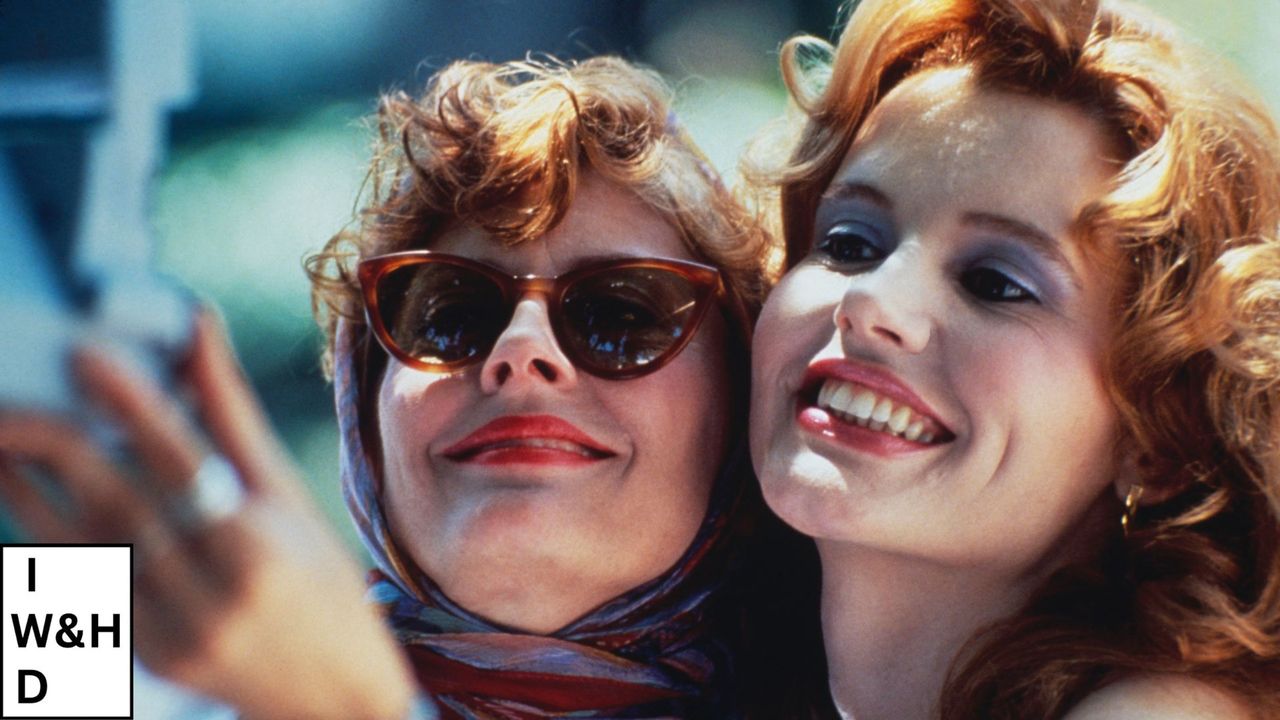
868, 408
821, 422
528, 439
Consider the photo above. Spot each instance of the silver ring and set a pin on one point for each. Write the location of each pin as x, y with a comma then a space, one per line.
216, 494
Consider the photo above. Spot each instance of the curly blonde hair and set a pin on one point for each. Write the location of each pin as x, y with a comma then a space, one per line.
1194, 366
503, 147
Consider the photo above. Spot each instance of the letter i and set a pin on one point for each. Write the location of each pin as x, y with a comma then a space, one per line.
31, 574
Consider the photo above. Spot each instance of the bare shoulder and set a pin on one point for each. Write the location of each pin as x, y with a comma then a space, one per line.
1166, 697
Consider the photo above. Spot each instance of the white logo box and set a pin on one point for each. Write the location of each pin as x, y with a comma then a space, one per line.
59, 672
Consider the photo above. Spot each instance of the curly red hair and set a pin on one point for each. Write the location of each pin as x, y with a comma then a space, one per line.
503, 147
1194, 367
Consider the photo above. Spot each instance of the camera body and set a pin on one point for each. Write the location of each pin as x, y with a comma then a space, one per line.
85, 91
144, 320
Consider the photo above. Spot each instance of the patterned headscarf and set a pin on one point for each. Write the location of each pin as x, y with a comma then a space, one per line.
656, 651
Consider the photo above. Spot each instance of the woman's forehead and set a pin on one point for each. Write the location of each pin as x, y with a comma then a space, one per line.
604, 220
946, 118
940, 139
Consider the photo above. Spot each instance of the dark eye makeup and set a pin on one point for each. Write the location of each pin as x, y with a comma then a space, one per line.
855, 244
851, 242
989, 284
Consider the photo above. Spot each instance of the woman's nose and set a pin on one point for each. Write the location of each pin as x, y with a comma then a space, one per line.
527, 351
886, 308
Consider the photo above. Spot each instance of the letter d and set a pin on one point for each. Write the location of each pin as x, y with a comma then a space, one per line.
22, 686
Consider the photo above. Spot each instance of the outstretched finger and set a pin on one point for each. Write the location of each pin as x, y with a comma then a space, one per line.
32, 510
230, 410
100, 500
98, 504
158, 432
172, 572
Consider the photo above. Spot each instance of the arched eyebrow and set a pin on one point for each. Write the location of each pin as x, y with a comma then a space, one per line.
1038, 240
857, 191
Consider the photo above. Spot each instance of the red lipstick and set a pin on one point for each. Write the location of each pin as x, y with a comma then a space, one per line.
820, 422
883, 383
528, 439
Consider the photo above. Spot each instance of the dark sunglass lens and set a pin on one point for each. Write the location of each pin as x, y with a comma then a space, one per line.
441, 313
626, 318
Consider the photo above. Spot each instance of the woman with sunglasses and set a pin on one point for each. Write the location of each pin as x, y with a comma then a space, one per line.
540, 362
538, 337
1021, 379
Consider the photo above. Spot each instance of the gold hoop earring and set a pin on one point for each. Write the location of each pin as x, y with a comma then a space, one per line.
1131, 499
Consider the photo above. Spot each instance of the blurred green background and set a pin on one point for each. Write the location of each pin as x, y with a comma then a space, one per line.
266, 164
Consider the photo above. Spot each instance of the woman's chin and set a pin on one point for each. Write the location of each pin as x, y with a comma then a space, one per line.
527, 588
501, 526
807, 491
525, 561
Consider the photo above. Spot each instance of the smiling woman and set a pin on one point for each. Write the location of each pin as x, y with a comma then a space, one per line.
1020, 378
537, 490
537, 331
539, 335
934, 268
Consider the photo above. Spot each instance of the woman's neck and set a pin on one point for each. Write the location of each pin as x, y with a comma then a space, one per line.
893, 624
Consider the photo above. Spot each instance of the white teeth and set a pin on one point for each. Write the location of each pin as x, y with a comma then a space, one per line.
884, 409
913, 431
842, 399
859, 405
824, 395
863, 404
901, 417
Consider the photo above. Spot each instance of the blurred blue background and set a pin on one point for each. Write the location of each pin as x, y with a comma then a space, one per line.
263, 163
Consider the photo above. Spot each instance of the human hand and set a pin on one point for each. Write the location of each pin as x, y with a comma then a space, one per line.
260, 608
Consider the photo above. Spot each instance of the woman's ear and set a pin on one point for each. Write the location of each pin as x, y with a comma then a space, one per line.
1133, 478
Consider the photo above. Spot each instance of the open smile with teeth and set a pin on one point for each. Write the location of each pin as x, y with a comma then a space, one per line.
856, 404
